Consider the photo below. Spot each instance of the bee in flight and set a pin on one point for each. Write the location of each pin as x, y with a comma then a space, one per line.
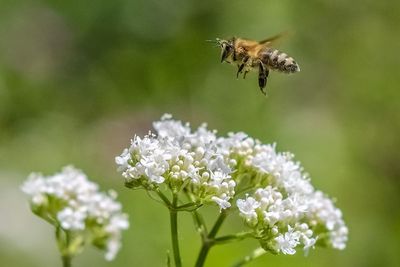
252, 55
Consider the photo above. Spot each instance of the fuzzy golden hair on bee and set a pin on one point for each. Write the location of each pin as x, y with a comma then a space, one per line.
260, 56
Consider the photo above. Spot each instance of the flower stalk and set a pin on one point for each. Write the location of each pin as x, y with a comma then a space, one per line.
66, 260
208, 240
174, 230
64, 242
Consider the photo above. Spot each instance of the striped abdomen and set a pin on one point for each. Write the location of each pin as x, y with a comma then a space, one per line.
277, 60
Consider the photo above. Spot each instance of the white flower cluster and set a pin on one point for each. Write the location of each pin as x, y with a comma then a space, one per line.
68, 199
287, 211
182, 159
280, 204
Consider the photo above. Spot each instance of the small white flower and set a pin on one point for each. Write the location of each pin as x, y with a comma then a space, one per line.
271, 217
222, 203
288, 241
248, 208
171, 129
113, 246
122, 160
308, 243
35, 186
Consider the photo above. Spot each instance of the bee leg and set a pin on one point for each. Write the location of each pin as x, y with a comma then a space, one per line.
244, 63
244, 74
241, 66
240, 69
262, 77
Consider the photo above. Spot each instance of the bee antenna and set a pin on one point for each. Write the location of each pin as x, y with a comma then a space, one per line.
212, 41
216, 41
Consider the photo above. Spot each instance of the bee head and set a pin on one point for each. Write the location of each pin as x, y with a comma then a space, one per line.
226, 48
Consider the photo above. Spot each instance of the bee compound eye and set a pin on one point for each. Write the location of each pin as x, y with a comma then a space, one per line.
227, 48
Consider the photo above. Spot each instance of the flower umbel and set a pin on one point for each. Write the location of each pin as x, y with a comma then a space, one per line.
268, 189
181, 159
80, 213
289, 212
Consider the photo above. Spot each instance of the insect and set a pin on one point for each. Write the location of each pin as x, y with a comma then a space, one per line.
259, 56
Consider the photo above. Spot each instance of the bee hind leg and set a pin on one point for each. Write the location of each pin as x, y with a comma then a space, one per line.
262, 77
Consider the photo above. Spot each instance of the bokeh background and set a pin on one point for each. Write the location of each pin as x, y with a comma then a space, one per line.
79, 78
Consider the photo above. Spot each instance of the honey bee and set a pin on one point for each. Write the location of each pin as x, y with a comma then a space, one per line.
253, 55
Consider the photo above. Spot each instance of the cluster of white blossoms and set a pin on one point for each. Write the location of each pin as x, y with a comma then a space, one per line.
270, 190
285, 211
181, 159
70, 201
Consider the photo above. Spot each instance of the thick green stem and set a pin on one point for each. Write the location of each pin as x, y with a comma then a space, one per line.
174, 231
203, 254
66, 260
208, 242
63, 242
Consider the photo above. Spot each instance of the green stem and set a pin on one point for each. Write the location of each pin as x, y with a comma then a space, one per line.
174, 231
255, 254
203, 254
200, 224
164, 198
190, 207
66, 260
232, 238
208, 242
63, 242
218, 223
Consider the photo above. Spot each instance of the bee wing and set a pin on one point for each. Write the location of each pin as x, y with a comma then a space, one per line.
274, 39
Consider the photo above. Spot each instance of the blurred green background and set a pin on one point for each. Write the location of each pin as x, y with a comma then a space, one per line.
79, 78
